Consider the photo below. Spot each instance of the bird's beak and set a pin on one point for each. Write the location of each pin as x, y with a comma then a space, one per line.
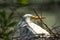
37, 17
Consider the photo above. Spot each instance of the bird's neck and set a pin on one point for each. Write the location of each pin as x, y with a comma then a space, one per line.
28, 20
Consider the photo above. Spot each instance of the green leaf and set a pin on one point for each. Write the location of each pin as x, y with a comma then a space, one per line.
18, 0
3, 17
23, 2
3, 14
5, 23
12, 24
11, 16
0, 21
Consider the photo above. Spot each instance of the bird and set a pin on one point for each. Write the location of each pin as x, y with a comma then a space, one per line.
28, 27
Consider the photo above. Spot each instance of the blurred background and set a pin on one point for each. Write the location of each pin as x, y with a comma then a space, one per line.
50, 9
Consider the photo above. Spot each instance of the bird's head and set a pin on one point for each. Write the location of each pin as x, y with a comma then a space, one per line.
30, 16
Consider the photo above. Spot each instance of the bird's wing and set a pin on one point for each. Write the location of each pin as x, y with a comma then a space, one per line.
22, 24
37, 29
